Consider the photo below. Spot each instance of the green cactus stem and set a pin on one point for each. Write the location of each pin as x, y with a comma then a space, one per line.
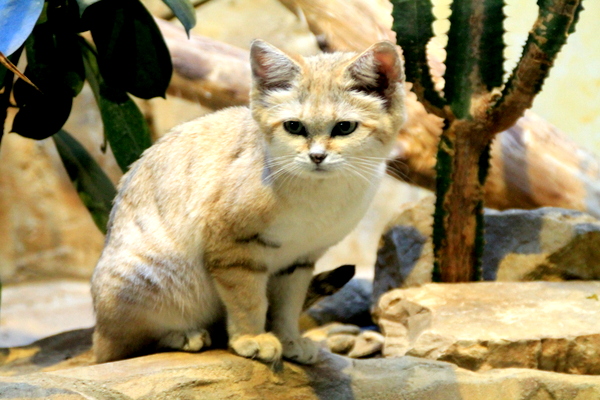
475, 109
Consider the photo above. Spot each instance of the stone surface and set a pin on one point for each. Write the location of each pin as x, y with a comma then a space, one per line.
341, 343
405, 256
367, 343
351, 305
521, 245
479, 326
31, 311
36, 372
347, 339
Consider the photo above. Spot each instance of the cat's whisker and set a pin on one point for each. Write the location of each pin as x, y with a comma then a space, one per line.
397, 173
357, 172
372, 168
392, 170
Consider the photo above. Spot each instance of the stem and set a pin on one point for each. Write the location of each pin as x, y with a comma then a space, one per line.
555, 21
457, 237
7, 85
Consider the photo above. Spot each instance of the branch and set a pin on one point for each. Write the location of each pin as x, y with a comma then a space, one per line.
207, 71
550, 31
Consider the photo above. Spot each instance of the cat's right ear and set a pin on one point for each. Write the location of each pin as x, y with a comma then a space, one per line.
271, 68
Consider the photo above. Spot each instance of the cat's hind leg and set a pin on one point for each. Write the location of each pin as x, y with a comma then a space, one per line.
191, 341
108, 347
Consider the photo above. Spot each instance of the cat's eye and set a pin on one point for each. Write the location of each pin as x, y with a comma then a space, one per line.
294, 127
344, 128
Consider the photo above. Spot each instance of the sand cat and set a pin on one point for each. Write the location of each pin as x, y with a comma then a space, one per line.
221, 221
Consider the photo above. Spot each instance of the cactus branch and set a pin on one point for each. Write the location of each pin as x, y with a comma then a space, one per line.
491, 47
556, 19
413, 26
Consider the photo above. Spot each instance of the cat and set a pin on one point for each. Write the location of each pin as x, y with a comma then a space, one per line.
221, 221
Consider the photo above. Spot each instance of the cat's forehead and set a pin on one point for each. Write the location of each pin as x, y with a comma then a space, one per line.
326, 66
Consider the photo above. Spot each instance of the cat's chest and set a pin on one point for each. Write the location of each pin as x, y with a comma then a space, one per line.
315, 220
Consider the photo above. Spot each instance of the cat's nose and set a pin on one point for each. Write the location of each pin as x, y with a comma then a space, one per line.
317, 158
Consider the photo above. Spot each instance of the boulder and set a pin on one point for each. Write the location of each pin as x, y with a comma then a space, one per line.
347, 339
520, 245
218, 374
350, 305
479, 326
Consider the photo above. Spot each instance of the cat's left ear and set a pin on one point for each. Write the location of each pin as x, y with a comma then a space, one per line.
271, 68
378, 70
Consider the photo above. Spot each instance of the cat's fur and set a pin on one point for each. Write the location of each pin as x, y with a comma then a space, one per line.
225, 216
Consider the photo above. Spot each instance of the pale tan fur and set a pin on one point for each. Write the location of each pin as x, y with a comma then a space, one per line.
222, 220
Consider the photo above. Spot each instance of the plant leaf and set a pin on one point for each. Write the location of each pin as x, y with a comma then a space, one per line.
132, 53
124, 125
17, 19
413, 21
40, 114
54, 60
94, 187
184, 11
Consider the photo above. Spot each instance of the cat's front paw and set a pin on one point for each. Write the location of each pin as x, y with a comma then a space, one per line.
301, 350
264, 347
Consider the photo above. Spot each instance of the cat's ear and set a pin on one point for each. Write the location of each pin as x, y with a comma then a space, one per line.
378, 70
271, 68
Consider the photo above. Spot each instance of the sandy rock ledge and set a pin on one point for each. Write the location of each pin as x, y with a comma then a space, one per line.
550, 326
218, 374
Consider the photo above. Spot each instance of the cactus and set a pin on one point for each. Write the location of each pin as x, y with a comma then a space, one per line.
476, 105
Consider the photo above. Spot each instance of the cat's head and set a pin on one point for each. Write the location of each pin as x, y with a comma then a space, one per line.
328, 114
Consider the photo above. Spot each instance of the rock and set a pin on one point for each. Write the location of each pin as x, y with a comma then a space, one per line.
521, 245
547, 243
367, 344
347, 339
31, 311
350, 305
405, 256
479, 326
218, 374
338, 329
341, 343
320, 334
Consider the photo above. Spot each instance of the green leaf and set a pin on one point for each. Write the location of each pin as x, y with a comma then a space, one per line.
63, 16
94, 188
132, 53
413, 21
491, 47
40, 115
124, 125
55, 65
184, 11
54, 61
17, 19
460, 60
